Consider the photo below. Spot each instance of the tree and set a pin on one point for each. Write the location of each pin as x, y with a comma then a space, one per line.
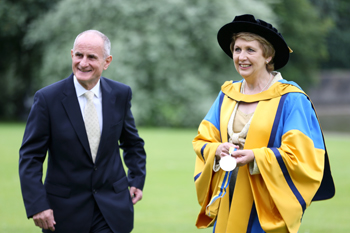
18, 63
305, 32
339, 36
167, 53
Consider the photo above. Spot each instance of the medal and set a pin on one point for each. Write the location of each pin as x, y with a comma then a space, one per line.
228, 163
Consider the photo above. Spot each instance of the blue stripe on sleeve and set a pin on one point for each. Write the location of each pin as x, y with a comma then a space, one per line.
213, 116
220, 104
214, 226
202, 151
300, 115
197, 176
254, 224
295, 112
288, 178
279, 158
276, 121
251, 218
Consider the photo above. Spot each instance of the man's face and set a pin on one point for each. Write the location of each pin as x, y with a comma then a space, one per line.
88, 60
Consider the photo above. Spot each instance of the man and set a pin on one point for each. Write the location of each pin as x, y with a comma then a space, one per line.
86, 188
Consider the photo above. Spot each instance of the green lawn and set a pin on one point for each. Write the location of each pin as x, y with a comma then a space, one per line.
169, 203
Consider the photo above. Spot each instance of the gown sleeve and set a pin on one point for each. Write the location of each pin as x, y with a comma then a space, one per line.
292, 169
205, 145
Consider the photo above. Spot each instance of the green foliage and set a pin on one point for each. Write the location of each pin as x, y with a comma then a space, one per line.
305, 32
167, 53
169, 203
339, 36
165, 50
18, 64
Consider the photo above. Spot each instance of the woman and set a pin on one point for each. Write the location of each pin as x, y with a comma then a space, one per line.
282, 162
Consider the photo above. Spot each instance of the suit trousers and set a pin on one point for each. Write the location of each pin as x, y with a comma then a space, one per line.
99, 224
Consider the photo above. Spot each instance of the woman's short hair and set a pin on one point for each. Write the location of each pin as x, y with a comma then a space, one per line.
267, 48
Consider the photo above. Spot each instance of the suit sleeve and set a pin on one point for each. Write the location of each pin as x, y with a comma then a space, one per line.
32, 156
292, 169
133, 148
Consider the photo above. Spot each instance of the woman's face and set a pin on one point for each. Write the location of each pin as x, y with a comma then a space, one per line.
248, 58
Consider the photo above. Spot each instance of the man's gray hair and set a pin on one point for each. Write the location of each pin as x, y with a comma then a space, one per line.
106, 41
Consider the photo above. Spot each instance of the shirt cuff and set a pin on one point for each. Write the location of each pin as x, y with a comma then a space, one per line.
253, 168
216, 166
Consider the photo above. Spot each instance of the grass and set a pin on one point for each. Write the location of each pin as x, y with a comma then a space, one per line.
169, 204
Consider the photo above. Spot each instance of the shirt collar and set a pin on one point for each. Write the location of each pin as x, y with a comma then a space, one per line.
81, 90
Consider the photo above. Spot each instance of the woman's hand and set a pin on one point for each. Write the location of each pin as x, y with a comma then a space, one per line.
243, 157
223, 149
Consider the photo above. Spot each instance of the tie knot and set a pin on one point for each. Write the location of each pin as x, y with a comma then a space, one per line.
89, 95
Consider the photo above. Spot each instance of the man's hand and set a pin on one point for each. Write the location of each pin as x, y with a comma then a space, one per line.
45, 220
136, 194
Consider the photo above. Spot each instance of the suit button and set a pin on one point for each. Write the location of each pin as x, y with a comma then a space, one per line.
94, 191
95, 168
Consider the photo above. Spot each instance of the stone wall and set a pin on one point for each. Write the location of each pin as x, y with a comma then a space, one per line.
331, 97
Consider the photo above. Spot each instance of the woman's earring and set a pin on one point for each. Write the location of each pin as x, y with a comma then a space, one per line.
267, 61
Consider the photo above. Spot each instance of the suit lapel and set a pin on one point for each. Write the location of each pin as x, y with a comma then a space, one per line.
108, 101
71, 105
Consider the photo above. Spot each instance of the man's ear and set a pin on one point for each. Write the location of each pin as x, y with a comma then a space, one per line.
108, 61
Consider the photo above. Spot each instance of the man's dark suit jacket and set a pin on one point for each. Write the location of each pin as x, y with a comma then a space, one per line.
73, 182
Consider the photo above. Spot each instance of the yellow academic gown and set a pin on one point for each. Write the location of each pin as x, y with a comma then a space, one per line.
289, 150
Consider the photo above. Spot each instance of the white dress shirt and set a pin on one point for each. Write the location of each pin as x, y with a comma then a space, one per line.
80, 90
